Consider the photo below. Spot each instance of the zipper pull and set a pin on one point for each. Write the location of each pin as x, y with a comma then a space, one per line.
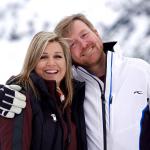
103, 97
111, 99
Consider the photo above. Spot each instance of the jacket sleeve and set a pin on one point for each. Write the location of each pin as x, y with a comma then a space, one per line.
145, 130
16, 133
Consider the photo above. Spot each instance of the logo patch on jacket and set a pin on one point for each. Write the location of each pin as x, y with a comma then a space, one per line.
138, 92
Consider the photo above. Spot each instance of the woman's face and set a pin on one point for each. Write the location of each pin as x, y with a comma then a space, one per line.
52, 64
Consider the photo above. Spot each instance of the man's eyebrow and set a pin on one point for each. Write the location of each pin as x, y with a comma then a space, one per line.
68, 39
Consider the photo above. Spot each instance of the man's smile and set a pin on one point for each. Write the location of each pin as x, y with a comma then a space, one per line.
88, 52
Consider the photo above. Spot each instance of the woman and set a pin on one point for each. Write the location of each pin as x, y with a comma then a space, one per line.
50, 121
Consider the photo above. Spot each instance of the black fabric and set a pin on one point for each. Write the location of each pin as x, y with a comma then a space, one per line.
17, 132
145, 130
47, 133
78, 113
109, 46
5, 113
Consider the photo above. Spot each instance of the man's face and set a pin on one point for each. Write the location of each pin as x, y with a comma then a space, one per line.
86, 46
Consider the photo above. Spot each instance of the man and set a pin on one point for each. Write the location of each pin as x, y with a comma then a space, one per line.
117, 88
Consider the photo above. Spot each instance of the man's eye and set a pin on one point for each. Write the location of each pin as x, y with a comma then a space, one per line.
73, 45
84, 35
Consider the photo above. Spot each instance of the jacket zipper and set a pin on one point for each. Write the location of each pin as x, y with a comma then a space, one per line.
103, 109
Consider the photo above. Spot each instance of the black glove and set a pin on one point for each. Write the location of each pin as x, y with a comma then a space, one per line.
11, 100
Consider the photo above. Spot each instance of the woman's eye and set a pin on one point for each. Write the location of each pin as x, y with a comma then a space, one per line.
58, 56
43, 57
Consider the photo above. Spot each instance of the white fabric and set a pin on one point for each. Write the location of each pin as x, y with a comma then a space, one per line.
130, 90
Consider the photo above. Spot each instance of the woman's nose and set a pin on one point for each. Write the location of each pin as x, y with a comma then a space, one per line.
50, 61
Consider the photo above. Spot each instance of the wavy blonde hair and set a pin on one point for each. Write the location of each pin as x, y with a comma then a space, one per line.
34, 52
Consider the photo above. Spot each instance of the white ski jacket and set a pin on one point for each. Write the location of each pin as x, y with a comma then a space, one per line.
113, 109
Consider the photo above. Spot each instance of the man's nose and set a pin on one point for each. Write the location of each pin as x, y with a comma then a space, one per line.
84, 43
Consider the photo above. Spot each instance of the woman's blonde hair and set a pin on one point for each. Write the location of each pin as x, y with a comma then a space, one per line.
63, 28
35, 50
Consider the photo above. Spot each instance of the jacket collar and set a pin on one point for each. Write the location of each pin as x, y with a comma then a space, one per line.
109, 46
45, 87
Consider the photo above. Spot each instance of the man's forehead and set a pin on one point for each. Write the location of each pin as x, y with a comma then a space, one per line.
78, 32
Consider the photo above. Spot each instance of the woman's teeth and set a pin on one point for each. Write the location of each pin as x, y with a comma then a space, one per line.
51, 71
